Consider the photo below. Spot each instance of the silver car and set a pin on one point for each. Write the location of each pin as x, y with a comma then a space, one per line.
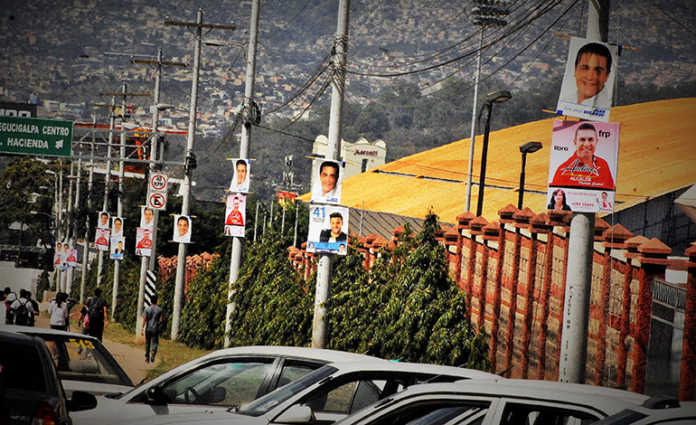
328, 394
503, 402
658, 410
214, 382
82, 362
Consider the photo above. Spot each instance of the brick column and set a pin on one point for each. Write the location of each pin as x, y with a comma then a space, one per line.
495, 301
541, 224
687, 376
476, 311
653, 264
451, 245
463, 221
506, 215
524, 218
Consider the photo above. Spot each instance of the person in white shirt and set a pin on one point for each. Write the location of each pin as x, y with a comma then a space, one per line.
22, 309
58, 310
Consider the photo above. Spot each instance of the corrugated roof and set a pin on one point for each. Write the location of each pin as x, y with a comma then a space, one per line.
657, 155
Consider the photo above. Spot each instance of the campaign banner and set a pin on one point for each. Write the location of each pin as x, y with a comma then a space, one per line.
583, 166
588, 82
147, 217
327, 178
143, 241
235, 215
328, 229
117, 250
101, 239
71, 259
182, 229
240, 179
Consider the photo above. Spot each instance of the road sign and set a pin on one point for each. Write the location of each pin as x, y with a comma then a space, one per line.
158, 182
157, 201
33, 136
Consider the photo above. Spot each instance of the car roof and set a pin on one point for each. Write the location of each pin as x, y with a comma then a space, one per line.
542, 390
394, 366
44, 331
321, 354
686, 410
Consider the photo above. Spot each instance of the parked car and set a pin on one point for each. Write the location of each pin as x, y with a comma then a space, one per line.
30, 390
83, 363
215, 382
328, 394
497, 402
655, 411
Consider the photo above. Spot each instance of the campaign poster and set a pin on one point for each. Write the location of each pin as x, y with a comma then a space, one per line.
71, 258
116, 227
147, 217
328, 229
240, 179
118, 248
182, 229
101, 239
583, 166
327, 178
588, 81
235, 215
58, 256
103, 220
143, 241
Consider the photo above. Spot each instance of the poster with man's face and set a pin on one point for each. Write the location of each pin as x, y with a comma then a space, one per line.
240, 178
143, 241
71, 257
327, 178
116, 226
147, 217
235, 215
588, 82
182, 229
118, 248
101, 239
103, 220
328, 229
583, 166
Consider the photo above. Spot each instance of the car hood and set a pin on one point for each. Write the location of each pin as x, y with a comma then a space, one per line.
95, 388
200, 419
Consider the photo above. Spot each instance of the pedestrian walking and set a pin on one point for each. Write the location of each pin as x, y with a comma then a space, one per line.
152, 325
10, 297
98, 315
3, 308
83, 322
58, 310
35, 305
22, 310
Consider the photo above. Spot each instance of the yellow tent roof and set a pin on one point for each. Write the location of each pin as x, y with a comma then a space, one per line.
657, 155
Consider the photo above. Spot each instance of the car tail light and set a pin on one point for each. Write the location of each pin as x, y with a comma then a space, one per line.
45, 415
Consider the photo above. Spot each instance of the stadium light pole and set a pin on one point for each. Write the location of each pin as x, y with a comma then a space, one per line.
499, 96
529, 147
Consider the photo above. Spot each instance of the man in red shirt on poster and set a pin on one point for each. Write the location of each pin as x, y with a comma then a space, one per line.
584, 168
235, 217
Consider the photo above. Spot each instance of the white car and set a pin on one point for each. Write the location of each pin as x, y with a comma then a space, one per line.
655, 411
82, 362
501, 402
214, 382
328, 394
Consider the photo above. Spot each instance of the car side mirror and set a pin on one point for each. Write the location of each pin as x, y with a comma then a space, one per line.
156, 395
296, 414
82, 401
216, 395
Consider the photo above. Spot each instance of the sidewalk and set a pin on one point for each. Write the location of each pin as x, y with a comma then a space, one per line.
131, 359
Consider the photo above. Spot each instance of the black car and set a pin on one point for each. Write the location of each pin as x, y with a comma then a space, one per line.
30, 390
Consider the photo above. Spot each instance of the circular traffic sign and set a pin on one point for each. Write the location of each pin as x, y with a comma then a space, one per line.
158, 182
157, 201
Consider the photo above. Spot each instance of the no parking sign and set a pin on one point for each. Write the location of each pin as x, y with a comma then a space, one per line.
157, 191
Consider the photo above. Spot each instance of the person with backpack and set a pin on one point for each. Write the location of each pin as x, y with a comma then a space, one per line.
98, 315
58, 310
22, 309
152, 325
35, 305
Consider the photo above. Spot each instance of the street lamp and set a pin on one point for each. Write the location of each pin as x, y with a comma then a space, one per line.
499, 96
529, 147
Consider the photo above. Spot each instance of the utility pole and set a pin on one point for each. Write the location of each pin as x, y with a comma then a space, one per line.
571, 367
85, 250
190, 163
67, 285
107, 182
119, 203
484, 15
319, 323
148, 263
236, 256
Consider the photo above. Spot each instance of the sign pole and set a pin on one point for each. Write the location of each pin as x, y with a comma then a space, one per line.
107, 181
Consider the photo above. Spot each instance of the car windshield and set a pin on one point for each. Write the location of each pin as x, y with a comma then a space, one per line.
84, 359
264, 404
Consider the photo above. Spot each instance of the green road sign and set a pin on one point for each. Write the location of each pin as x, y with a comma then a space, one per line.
35, 136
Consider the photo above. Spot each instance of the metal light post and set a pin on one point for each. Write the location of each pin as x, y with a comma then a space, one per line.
484, 15
494, 97
529, 147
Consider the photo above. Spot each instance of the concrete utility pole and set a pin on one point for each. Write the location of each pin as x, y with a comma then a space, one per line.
67, 284
107, 180
571, 367
119, 204
85, 250
319, 324
236, 256
190, 160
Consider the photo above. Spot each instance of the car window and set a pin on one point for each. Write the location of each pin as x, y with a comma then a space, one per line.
346, 398
294, 370
524, 414
220, 384
434, 413
16, 374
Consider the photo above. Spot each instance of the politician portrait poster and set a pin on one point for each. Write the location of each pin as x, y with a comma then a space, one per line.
588, 81
71, 259
182, 229
328, 229
327, 178
101, 239
103, 220
235, 215
118, 248
143, 241
240, 178
583, 166
147, 217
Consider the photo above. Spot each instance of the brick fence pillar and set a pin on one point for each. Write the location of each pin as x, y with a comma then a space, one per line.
687, 378
495, 300
511, 285
463, 221
478, 245
523, 219
542, 225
